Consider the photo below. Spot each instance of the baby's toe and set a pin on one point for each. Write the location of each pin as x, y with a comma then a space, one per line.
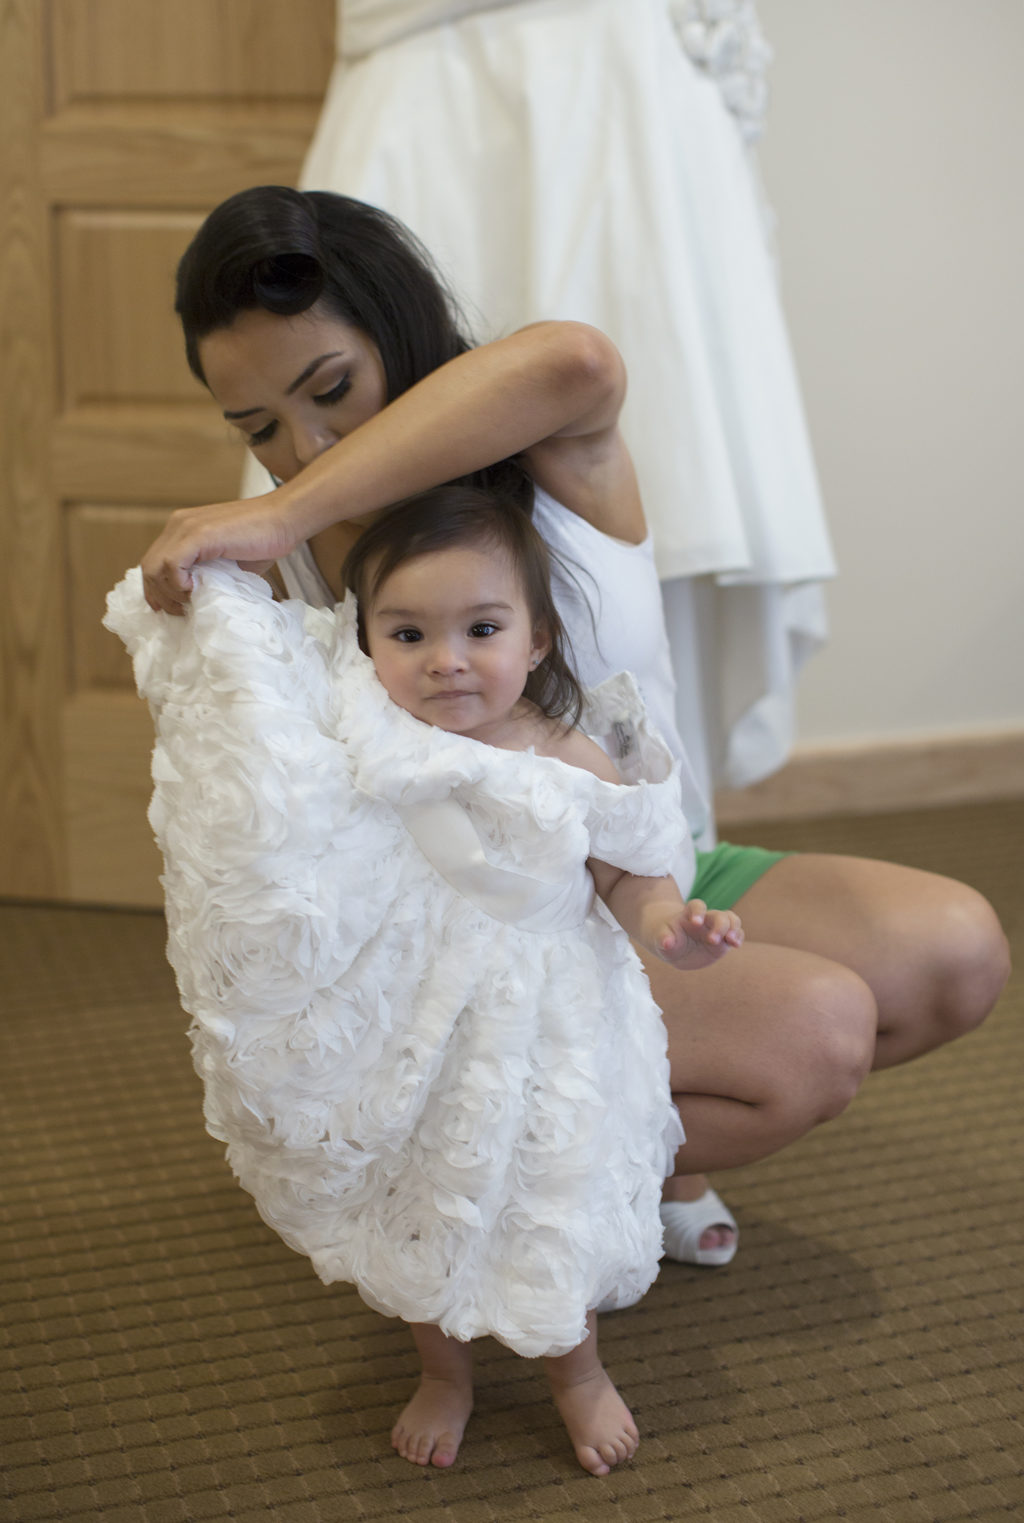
593, 1461
445, 1451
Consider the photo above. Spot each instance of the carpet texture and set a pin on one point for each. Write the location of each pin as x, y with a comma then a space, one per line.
166, 1359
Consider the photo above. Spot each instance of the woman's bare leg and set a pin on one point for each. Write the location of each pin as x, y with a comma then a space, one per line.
931, 950
600, 1424
762, 1047
430, 1428
848, 965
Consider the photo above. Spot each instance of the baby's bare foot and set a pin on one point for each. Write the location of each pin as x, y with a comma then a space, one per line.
600, 1424
430, 1429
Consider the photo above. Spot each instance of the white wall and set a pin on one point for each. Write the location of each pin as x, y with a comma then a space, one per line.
894, 159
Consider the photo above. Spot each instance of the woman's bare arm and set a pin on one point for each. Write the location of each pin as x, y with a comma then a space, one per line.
552, 391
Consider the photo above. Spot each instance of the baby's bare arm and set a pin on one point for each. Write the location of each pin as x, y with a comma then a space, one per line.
652, 911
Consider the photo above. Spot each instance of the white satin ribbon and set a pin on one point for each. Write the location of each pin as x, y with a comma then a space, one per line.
447, 838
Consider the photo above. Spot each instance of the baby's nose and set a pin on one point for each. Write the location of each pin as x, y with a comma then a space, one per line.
446, 657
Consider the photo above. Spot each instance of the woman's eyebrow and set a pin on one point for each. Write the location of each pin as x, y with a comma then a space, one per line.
293, 387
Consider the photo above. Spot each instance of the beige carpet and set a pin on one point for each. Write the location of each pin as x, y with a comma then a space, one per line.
166, 1359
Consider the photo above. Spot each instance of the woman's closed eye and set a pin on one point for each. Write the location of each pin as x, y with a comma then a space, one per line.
261, 436
325, 399
328, 398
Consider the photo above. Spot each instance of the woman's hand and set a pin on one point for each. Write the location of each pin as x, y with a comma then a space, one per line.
253, 531
697, 937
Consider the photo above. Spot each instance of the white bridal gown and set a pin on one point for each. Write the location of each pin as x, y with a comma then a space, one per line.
433, 1055
589, 159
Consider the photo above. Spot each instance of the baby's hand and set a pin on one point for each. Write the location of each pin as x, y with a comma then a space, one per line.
698, 937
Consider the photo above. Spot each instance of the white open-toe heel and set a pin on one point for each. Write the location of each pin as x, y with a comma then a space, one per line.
685, 1222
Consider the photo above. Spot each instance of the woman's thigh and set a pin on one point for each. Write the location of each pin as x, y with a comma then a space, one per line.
769, 1027
930, 949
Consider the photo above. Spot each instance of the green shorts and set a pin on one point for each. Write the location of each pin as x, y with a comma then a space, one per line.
726, 872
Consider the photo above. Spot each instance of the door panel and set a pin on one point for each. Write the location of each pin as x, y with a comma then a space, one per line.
120, 340
98, 540
121, 123
216, 50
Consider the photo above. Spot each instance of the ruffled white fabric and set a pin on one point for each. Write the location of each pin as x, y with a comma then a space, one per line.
724, 38
468, 1119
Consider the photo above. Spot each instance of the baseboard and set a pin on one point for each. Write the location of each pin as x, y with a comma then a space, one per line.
873, 778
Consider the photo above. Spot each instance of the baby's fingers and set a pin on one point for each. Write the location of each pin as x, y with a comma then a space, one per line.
723, 927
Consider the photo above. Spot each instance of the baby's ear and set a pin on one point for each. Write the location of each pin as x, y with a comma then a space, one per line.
541, 643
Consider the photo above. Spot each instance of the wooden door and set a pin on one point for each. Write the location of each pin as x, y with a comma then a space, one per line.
121, 123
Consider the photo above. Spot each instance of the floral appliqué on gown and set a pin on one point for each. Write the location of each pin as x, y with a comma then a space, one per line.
431, 1051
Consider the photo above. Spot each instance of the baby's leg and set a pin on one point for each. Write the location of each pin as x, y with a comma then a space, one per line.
600, 1424
430, 1429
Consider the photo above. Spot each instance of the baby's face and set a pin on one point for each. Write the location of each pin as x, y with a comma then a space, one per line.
452, 640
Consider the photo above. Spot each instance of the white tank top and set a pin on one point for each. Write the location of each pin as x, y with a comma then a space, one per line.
609, 599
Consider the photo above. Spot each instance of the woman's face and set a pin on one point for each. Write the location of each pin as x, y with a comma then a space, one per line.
293, 386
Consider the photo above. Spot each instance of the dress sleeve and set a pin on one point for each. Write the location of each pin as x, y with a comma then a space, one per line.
639, 826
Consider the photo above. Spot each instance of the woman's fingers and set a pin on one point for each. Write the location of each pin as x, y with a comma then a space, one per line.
167, 564
244, 531
167, 587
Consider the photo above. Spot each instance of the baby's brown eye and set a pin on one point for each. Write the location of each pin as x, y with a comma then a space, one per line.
481, 631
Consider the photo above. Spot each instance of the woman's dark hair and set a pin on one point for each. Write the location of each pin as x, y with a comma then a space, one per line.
287, 250
458, 515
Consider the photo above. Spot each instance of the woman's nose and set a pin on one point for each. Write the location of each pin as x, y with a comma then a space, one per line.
311, 439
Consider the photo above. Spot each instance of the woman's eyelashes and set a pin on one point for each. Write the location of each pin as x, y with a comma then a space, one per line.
328, 398
324, 399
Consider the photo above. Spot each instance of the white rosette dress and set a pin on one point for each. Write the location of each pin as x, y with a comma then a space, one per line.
432, 1053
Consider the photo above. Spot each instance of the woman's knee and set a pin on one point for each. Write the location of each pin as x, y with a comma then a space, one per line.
971, 961
840, 1023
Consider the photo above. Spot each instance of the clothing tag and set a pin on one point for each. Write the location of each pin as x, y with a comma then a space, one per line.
623, 739
623, 746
